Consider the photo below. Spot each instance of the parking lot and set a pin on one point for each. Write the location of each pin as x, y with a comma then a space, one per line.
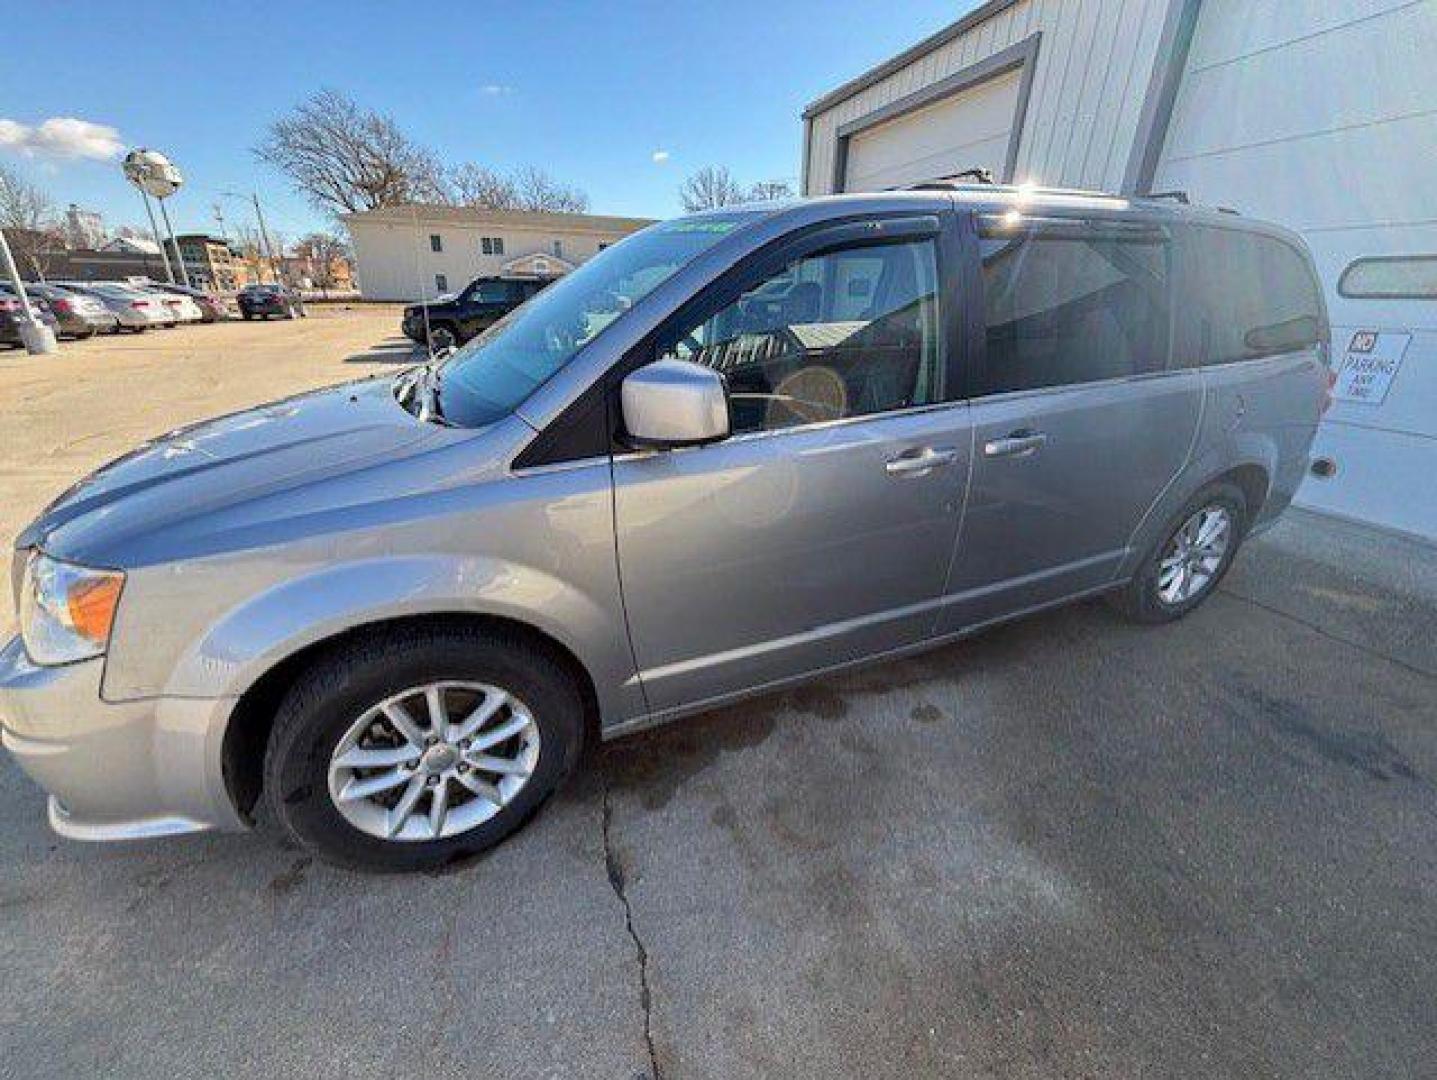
1069, 847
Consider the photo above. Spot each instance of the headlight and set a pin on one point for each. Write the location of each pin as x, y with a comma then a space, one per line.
66, 611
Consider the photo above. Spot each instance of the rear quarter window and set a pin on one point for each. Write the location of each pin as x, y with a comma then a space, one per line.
1390, 277
1244, 295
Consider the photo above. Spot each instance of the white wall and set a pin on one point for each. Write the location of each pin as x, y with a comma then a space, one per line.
1095, 60
1322, 115
394, 261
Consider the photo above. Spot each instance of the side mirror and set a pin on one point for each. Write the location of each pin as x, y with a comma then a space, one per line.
672, 403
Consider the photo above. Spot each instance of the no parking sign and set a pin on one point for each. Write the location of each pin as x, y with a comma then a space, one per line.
1368, 366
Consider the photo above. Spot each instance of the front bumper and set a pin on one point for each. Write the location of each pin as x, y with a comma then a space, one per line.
114, 770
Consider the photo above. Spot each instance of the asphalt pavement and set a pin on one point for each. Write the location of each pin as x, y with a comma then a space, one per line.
1068, 847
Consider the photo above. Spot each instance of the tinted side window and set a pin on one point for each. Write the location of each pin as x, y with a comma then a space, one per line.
846, 333
1245, 296
1072, 304
491, 292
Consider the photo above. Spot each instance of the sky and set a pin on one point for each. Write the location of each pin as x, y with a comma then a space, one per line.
622, 100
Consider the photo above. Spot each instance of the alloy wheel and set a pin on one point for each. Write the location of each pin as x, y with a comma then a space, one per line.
434, 761
1193, 556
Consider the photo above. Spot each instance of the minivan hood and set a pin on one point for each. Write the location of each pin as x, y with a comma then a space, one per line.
231, 459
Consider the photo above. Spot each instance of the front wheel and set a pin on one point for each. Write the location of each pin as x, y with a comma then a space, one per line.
1184, 567
410, 751
441, 338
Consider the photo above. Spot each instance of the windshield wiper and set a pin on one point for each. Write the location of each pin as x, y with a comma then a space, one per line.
420, 386
429, 407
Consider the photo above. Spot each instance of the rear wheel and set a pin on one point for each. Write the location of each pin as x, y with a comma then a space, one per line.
1184, 567
413, 750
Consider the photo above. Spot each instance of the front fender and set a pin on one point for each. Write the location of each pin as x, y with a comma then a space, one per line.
277, 622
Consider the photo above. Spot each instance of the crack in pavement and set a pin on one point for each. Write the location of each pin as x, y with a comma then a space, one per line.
615, 871
1321, 631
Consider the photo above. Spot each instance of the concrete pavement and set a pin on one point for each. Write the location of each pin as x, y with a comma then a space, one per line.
1071, 847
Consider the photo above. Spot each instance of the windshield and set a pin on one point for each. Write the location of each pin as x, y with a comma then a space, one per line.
491, 375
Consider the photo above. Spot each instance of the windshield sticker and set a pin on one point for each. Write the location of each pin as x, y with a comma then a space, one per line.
719, 227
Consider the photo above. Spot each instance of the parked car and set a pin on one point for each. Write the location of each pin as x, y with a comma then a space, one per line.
449, 322
267, 300
212, 307
135, 311
801, 436
12, 315
183, 307
77, 316
154, 304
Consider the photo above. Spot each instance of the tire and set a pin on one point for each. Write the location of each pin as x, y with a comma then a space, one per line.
442, 336
1152, 597
330, 701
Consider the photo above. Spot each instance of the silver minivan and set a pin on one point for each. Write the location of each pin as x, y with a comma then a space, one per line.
736, 450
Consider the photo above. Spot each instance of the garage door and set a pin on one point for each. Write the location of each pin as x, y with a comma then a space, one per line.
969, 130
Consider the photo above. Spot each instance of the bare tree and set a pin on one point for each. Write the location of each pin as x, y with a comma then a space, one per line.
248, 244
540, 191
27, 216
322, 250
528, 188
474, 185
710, 187
770, 191
344, 158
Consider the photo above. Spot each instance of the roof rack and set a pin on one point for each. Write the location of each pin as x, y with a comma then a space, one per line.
943, 183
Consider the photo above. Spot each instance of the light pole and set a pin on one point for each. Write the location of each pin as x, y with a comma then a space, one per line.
38, 337
156, 176
159, 240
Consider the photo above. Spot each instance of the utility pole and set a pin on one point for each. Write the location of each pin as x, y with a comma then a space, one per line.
264, 237
220, 219
38, 337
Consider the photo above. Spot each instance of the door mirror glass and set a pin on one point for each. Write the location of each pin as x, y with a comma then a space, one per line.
672, 403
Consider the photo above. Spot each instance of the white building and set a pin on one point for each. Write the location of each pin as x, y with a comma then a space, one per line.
83, 228
132, 245
419, 252
1320, 114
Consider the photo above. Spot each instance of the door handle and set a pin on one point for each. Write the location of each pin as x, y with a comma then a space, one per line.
1015, 444
913, 462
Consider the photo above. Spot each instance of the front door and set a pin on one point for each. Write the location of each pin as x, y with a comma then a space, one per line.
820, 531
1079, 425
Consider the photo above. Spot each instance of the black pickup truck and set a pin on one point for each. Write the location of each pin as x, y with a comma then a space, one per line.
454, 321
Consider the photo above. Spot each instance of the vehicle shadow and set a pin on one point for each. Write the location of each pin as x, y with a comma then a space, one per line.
394, 350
